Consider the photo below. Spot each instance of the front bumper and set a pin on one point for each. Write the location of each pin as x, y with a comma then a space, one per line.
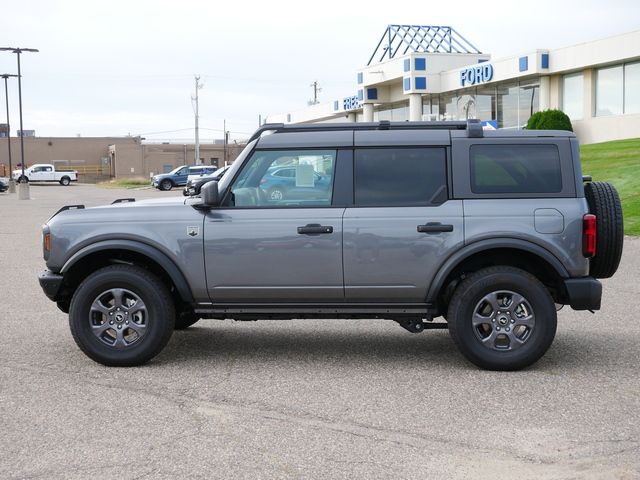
51, 283
583, 293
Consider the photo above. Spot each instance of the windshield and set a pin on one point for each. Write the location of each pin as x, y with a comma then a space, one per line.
224, 182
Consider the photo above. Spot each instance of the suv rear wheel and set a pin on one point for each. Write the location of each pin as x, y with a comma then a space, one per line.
121, 315
502, 318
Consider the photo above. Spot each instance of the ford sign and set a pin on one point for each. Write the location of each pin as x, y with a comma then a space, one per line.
350, 103
478, 74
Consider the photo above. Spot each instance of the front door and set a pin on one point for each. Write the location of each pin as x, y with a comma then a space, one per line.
277, 239
402, 224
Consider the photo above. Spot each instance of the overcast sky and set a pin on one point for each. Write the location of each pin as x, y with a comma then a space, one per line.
126, 67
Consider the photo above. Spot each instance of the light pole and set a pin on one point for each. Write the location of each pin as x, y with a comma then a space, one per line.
23, 194
12, 183
196, 113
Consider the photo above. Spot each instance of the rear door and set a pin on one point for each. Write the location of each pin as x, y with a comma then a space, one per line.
402, 224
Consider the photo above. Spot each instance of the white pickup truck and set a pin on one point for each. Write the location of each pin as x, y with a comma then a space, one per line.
44, 172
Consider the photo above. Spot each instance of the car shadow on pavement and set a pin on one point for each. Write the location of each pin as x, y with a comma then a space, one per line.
313, 344
389, 345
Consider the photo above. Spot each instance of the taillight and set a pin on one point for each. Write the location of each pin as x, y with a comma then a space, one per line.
589, 232
46, 242
263, 181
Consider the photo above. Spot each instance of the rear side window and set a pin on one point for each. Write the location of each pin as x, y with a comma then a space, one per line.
515, 169
400, 176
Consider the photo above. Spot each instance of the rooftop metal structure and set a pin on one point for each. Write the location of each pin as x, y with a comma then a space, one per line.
420, 39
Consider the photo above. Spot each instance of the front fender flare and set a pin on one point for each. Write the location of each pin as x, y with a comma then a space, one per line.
177, 277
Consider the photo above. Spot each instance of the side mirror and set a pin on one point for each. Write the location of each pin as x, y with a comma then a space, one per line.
209, 194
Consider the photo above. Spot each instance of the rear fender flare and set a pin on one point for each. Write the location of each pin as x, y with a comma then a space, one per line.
490, 244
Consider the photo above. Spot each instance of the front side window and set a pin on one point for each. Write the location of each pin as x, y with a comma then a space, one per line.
497, 169
400, 176
285, 178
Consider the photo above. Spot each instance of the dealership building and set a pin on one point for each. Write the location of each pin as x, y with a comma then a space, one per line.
433, 73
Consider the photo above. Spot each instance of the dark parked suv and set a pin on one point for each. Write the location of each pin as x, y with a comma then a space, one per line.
403, 221
178, 176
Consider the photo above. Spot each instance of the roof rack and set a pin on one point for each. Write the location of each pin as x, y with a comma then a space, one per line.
472, 126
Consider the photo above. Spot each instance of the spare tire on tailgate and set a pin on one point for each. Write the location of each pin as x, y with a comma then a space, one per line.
604, 203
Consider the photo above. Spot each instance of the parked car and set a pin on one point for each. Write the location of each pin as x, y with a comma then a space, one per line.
4, 186
281, 183
489, 231
44, 172
178, 176
201, 179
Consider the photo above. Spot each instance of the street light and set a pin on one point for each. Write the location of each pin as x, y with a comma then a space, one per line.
23, 194
12, 183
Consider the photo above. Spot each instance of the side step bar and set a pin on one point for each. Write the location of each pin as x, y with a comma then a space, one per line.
290, 311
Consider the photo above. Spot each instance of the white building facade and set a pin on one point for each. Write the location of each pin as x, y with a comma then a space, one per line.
433, 73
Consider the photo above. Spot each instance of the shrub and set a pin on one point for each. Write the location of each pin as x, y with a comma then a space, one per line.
549, 120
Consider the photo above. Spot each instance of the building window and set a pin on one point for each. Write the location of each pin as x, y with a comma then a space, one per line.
632, 88
486, 103
573, 96
397, 112
508, 99
528, 101
609, 91
431, 107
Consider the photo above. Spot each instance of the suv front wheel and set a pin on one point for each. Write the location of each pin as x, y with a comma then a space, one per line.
502, 318
121, 315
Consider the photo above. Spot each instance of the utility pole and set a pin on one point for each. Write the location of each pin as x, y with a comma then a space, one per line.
195, 111
316, 91
224, 142
12, 183
23, 194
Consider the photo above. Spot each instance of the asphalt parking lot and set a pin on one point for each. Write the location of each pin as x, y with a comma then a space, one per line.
306, 398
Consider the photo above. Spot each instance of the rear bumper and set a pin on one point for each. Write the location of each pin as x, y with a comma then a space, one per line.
583, 293
50, 283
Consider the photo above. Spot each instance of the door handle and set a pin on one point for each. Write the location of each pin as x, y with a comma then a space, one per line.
434, 227
315, 228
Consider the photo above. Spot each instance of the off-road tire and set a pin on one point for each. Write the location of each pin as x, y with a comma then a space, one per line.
604, 203
502, 278
156, 298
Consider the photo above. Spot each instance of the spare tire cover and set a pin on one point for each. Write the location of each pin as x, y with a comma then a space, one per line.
604, 203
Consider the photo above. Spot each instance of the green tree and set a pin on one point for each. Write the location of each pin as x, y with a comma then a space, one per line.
549, 120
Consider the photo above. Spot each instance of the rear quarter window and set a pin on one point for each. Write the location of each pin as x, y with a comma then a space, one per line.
515, 169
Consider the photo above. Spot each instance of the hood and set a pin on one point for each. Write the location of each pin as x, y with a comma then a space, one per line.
117, 210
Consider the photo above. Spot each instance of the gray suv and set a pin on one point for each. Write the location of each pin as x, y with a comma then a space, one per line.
492, 231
